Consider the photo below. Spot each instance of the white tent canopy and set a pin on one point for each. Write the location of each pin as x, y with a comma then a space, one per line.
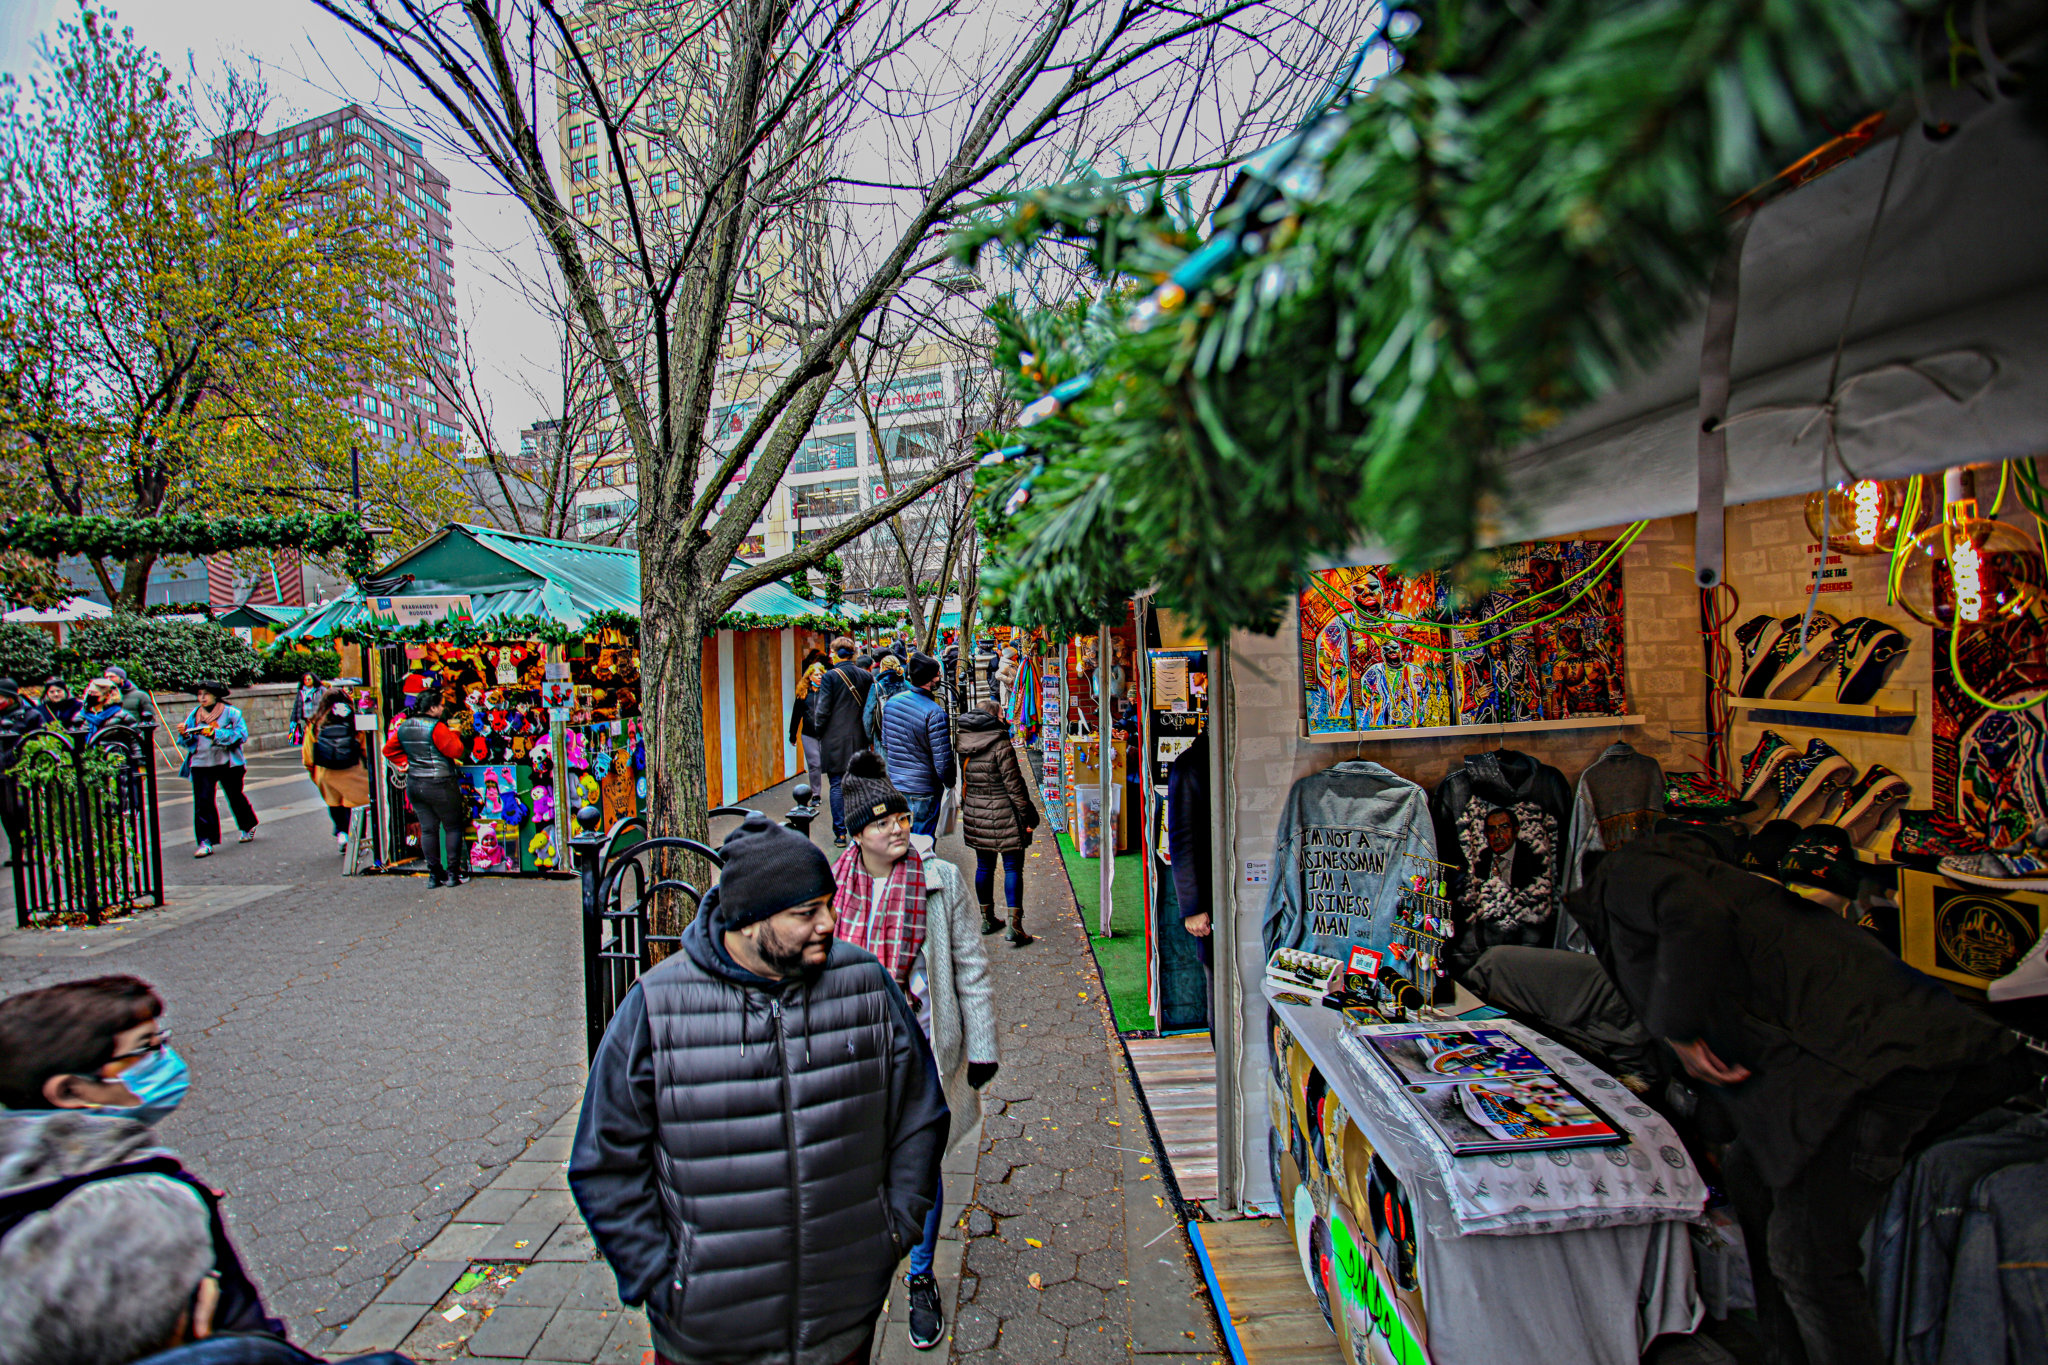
1945, 363
71, 609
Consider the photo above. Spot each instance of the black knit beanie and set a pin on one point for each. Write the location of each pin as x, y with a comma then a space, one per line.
922, 669
868, 793
768, 868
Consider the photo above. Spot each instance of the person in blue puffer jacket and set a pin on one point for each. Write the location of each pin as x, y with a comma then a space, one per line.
889, 682
917, 744
212, 737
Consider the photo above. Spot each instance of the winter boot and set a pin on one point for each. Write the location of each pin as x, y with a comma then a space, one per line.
1018, 938
989, 923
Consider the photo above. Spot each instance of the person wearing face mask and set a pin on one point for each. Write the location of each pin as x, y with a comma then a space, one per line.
86, 1070
761, 1134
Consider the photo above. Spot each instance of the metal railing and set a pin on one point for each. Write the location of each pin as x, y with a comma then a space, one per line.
83, 827
622, 876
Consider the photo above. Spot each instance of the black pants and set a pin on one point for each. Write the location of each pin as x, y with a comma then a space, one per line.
443, 814
339, 816
205, 814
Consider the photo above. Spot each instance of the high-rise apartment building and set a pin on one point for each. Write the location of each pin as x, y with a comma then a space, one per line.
356, 150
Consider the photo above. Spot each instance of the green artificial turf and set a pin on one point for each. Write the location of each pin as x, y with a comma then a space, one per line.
1122, 957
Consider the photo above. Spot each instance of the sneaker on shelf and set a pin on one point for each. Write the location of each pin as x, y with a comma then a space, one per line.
1762, 764
1866, 652
1702, 795
927, 1315
1767, 656
1810, 776
1923, 839
2027, 979
1804, 663
1870, 799
2012, 870
1749, 636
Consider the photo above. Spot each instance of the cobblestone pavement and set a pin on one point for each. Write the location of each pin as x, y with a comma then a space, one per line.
1073, 1252
365, 1053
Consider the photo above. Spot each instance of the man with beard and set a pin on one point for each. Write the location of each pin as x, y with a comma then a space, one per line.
761, 1135
1384, 688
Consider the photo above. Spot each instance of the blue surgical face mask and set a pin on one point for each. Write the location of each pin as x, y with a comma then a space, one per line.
157, 1084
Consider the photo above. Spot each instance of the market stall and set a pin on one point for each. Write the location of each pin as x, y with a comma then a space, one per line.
531, 643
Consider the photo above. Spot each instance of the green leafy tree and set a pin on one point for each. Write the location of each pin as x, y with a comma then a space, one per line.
181, 318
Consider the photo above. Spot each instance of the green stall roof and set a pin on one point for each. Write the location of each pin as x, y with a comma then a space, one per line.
508, 575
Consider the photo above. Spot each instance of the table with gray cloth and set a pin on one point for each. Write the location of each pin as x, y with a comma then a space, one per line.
1594, 1264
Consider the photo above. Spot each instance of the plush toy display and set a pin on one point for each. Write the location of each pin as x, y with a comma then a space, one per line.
543, 803
541, 848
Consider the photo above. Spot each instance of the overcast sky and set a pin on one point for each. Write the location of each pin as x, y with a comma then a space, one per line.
312, 65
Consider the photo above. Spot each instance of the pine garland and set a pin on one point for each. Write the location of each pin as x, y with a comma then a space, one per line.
123, 538
467, 633
1432, 275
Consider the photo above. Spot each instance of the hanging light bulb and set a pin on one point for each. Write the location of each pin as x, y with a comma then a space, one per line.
1968, 571
1862, 517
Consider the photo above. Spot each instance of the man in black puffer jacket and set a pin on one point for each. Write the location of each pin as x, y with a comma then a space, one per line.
762, 1130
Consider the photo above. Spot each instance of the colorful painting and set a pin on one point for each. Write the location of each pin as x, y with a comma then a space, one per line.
1991, 766
1372, 655
1516, 665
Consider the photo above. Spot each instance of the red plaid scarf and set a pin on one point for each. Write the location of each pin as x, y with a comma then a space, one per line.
895, 934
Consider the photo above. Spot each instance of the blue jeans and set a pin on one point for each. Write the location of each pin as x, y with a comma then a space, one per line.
838, 804
985, 876
924, 814
921, 1254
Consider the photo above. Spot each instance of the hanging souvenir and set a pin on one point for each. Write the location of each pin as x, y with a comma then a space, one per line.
541, 849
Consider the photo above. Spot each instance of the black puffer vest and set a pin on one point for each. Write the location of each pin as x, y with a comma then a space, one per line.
772, 1156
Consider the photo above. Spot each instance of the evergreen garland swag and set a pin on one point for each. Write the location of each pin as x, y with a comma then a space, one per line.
465, 633
123, 538
1427, 276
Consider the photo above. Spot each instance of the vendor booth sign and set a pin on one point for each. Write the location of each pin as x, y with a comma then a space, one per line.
419, 611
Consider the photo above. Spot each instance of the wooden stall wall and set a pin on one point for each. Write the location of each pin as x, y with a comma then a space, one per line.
758, 714
714, 747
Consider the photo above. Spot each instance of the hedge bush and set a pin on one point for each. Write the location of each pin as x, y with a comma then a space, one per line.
287, 663
170, 655
27, 655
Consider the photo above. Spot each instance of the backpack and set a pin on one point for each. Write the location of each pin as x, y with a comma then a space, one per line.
335, 745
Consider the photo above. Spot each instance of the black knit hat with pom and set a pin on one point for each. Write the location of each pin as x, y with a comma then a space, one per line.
868, 793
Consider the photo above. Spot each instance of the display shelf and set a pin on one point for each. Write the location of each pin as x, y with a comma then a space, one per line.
1514, 727
1892, 713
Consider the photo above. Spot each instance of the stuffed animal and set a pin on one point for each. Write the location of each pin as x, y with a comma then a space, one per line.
577, 758
543, 803
541, 848
586, 790
542, 755
600, 763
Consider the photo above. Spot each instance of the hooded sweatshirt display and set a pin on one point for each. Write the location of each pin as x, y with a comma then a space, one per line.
1349, 839
1501, 822
755, 1156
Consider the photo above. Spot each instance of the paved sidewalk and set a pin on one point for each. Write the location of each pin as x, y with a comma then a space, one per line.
1059, 1242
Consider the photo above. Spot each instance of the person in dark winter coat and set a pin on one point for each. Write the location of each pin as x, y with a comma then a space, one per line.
836, 705
1833, 1060
997, 815
889, 682
917, 743
1188, 832
763, 1126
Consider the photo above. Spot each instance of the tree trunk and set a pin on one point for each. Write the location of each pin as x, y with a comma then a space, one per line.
672, 688
135, 581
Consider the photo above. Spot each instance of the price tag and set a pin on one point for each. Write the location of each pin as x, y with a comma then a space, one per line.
558, 668
1364, 960
558, 715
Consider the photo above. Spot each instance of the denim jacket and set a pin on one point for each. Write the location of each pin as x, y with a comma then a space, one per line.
1341, 859
230, 732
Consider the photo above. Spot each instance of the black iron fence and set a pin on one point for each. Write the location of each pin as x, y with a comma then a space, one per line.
623, 880
81, 818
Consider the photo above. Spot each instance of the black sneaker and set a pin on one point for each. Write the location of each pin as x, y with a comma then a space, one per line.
927, 1318
436, 877
839, 840
458, 878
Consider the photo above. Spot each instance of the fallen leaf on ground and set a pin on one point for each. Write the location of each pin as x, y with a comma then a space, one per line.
1033, 1242
1035, 1282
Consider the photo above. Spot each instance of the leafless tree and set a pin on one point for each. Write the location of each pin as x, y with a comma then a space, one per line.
768, 121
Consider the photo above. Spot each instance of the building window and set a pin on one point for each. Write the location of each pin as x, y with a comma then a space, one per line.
754, 547
833, 498
824, 452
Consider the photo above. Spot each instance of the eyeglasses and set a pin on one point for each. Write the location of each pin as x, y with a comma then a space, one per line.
155, 1045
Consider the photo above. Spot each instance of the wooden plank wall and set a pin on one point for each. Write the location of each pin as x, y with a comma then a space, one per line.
1271, 1307
1178, 1077
714, 749
757, 713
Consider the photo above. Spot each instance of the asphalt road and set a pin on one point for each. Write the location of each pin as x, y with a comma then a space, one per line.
366, 1053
